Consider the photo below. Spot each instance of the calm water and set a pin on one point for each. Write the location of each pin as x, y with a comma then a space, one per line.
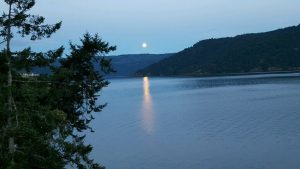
242, 122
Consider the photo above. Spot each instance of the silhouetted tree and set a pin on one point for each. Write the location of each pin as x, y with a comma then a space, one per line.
42, 117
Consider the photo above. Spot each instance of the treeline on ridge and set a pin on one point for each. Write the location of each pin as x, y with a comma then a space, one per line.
277, 50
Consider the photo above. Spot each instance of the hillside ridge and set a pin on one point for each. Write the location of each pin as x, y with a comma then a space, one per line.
277, 50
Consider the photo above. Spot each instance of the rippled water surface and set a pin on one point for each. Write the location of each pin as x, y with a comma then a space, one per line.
241, 122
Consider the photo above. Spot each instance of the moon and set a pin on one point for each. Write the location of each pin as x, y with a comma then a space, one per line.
144, 45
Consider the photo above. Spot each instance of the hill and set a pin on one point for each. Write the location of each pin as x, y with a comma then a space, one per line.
125, 65
128, 65
277, 50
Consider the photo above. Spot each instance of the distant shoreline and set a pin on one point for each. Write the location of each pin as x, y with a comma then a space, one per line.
221, 74
251, 73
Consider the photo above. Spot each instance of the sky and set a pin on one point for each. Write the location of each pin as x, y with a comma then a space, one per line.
166, 26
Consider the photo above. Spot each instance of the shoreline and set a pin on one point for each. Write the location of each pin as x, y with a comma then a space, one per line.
213, 75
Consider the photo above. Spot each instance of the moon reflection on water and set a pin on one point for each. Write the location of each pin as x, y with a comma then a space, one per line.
147, 108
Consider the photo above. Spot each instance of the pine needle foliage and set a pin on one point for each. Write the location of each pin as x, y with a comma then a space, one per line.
43, 118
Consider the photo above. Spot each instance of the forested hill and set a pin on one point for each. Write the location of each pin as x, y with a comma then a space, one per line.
277, 50
125, 65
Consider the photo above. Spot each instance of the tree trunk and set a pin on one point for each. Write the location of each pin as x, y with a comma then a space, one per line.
11, 140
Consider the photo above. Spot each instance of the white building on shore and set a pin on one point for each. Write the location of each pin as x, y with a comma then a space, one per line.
26, 75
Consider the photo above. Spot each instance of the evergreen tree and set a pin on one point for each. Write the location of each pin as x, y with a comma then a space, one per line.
42, 118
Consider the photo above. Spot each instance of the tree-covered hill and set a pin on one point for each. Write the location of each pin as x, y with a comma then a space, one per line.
124, 65
127, 65
277, 50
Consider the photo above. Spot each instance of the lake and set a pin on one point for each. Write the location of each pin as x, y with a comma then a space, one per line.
238, 122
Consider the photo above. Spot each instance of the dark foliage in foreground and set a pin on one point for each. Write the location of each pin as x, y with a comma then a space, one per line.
42, 117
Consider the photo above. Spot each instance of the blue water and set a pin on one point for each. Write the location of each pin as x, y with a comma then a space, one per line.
240, 122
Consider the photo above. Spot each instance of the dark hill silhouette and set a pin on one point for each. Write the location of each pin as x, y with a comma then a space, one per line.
125, 65
277, 50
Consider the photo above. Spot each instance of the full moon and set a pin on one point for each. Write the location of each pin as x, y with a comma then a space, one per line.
144, 45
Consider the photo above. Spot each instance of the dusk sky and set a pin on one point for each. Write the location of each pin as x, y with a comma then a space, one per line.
165, 25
